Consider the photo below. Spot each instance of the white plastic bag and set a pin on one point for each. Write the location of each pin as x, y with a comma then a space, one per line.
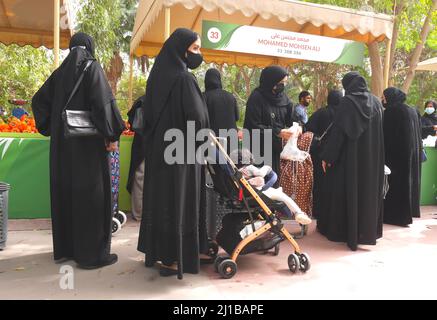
291, 152
248, 230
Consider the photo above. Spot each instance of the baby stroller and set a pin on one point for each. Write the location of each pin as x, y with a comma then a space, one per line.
256, 227
119, 218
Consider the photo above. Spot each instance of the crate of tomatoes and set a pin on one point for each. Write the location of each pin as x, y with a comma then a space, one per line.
25, 124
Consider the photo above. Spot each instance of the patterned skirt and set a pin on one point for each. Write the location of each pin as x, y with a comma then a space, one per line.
297, 177
114, 166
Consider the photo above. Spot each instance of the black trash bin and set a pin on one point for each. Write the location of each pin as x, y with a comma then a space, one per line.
4, 192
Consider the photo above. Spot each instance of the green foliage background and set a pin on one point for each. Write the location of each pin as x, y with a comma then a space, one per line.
24, 69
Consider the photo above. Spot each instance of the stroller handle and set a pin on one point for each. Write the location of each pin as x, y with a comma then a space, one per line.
223, 151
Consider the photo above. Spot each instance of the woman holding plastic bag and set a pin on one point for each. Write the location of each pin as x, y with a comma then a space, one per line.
269, 108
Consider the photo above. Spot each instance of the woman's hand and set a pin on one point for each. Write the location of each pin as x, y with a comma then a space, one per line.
111, 146
325, 165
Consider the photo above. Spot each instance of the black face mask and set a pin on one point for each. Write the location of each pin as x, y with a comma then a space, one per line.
194, 60
280, 87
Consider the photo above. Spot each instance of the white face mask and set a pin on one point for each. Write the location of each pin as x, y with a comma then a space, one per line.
430, 110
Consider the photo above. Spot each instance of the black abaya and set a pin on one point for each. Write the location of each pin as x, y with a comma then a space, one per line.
171, 228
79, 172
355, 150
402, 140
319, 123
222, 105
268, 111
137, 151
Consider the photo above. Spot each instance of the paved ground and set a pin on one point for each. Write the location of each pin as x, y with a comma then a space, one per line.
401, 266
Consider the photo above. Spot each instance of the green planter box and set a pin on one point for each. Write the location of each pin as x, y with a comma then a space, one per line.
24, 164
428, 194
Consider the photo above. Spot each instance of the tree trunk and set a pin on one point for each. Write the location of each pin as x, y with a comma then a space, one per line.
377, 83
247, 78
397, 12
237, 79
144, 62
415, 56
114, 72
296, 79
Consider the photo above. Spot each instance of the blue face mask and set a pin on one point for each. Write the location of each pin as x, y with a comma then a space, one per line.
429, 110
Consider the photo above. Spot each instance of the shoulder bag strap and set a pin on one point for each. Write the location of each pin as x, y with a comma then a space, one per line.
326, 131
78, 82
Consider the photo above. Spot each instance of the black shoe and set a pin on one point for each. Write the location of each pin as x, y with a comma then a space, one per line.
111, 259
167, 272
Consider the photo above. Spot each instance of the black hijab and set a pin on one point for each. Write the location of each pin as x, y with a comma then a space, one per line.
358, 106
394, 96
81, 50
169, 65
81, 39
270, 77
213, 80
334, 98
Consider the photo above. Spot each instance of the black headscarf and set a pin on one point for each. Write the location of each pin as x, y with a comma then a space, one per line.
169, 64
213, 80
357, 107
334, 99
270, 77
81, 39
73, 65
394, 96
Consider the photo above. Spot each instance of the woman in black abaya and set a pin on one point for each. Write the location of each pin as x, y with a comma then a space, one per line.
353, 159
173, 231
402, 140
222, 105
269, 108
320, 124
79, 172
429, 119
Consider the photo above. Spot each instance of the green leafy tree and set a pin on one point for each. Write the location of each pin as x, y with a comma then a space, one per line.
23, 70
110, 23
138, 89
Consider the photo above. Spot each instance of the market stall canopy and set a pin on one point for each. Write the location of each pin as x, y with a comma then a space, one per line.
428, 65
30, 22
295, 16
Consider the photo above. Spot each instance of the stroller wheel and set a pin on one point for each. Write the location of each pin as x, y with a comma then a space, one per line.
217, 262
121, 216
116, 226
305, 264
276, 251
293, 263
227, 268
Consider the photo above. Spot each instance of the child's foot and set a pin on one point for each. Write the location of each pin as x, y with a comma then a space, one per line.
303, 219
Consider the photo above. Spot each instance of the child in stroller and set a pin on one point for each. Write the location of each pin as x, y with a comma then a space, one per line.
264, 179
257, 214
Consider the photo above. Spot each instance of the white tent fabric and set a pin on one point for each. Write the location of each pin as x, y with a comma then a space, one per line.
30, 22
428, 65
296, 16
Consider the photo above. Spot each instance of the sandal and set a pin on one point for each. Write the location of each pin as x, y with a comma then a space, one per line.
167, 271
